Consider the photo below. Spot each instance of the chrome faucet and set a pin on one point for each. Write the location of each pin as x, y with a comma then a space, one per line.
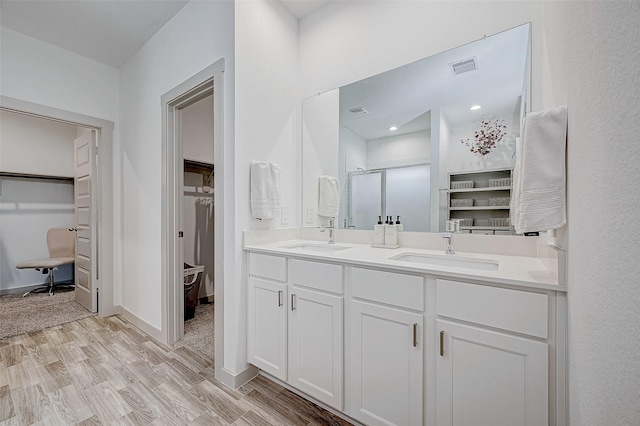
330, 228
348, 226
452, 227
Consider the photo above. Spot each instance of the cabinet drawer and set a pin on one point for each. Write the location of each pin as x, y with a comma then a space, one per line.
318, 275
513, 310
406, 291
266, 266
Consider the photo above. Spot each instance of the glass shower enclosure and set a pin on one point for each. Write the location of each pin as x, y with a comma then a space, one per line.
398, 191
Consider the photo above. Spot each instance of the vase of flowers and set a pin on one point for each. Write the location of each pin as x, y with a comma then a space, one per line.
491, 131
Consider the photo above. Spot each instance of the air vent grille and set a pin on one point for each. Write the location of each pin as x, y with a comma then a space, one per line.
466, 65
358, 111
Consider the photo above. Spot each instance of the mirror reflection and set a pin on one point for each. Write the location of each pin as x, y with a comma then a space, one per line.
397, 140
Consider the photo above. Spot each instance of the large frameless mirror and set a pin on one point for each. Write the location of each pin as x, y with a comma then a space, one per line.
395, 141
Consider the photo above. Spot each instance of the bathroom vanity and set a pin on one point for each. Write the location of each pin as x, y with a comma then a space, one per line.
410, 336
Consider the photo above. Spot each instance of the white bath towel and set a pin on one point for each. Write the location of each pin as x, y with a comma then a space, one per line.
539, 194
328, 196
265, 189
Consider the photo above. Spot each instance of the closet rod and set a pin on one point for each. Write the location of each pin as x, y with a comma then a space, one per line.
34, 176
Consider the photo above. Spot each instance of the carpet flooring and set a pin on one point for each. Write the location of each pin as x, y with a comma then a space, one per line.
20, 315
199, 331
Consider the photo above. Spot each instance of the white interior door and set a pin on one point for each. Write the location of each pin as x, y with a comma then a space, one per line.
85, 194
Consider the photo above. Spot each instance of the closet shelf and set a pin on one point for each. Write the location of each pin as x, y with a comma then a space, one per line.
34, 176
193, 166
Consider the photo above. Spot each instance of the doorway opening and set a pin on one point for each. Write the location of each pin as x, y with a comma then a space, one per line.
191, 217
94, 237
196, 125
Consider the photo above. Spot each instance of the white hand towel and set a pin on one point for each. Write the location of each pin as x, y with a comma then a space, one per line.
265, 189
329, 196
539, 197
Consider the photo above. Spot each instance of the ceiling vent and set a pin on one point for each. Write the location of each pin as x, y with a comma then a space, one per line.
358, 111
465, 65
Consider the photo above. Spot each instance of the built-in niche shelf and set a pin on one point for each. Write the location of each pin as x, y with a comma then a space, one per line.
481, 200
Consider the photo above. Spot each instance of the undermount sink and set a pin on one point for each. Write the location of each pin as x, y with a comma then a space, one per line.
448, 260
322, 248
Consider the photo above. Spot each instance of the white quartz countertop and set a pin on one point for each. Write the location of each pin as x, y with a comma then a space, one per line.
518, 271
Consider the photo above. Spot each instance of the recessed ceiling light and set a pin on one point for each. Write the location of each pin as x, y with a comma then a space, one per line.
475, 107
392, 128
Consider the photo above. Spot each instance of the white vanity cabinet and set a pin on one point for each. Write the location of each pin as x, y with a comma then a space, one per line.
295, 323
267, 319
386, 360
493, 356
389, 346
316, 330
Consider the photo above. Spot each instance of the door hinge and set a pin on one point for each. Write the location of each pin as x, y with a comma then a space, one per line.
180, 234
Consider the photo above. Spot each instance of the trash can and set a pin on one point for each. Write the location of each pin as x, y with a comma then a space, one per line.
192, 279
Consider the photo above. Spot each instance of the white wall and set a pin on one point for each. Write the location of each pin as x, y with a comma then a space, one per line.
28, 208
593, 69
199, 35
35, 146
197, 131
34, 71
502, 156
352, 155
267, 113
344, 42
401, 150
320, 150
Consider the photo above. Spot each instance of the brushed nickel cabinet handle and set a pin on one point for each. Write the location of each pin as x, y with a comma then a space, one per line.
442, 343
280, 298
415, 335
293, 307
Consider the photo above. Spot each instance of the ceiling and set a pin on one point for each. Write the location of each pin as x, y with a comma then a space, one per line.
302, 8
108, 31
401, 97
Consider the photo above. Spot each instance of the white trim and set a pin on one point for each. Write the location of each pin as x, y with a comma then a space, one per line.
201, 83
140, 323
105, 170
234, 381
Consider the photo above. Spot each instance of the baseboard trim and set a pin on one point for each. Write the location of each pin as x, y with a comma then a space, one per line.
140, 323
234, 381
301, 394
30, 287
19, 289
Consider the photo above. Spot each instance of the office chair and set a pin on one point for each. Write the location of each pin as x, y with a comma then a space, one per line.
61, 243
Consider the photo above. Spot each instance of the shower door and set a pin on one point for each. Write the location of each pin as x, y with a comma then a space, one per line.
400, 191
407, 194
365, 199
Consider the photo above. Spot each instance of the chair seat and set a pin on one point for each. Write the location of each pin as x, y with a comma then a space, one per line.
49, 263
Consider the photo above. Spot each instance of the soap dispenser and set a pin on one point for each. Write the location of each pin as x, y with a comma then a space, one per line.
390, 233
399, 226
378, 232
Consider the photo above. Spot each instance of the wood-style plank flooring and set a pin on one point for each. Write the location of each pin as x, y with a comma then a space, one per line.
104, 371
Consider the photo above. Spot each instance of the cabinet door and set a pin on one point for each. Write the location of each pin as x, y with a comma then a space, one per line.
386, 365
267, 326
489, 378
315, 345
